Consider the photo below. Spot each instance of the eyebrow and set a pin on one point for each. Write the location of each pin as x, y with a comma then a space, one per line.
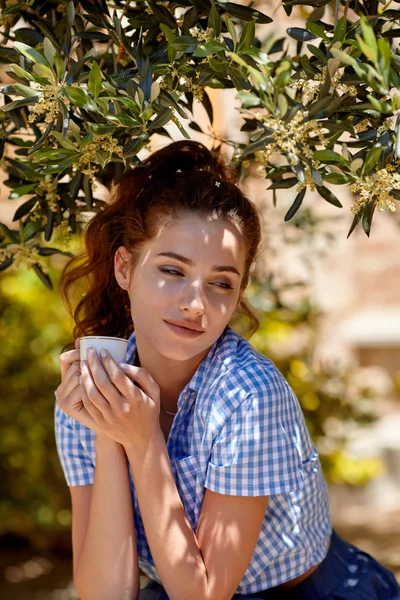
190, 263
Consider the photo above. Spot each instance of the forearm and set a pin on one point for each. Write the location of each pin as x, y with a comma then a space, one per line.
107, 567
172, 542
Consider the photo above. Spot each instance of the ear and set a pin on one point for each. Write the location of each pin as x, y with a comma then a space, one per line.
122, 267
241, 293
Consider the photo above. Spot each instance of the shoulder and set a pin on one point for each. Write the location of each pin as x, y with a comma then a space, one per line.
249, 372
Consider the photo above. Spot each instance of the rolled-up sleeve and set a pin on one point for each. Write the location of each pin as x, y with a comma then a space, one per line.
257, 452
71, 439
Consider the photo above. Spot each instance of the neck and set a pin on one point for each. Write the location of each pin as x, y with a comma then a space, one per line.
170, 375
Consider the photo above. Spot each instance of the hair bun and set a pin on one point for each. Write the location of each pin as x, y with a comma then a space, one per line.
184, 156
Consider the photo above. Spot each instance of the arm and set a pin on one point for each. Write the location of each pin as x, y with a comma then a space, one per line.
103, 533
210, 564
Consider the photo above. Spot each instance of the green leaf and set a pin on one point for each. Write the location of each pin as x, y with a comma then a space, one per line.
87, 188
20, 72
29, 230
94, 82
22, 190
344, 58
369, 36
318, 53
31, 54
208, 48
24, 209
219, 66
214, 20
245, 12
25, 91
78, 96
100, 129
46, 251
337, 178
247, 37
367, 216
195, 126
45, 72
8, 234
59, 64
184, 43
356, 220
42, 138
372, 158
6, 263
340, 30
71, 14
49, 51
282, 105
169, 33
63, 141
367, 50
162, 14
45, 279
329, 196
296, 204
317, 30
161, 119
329, 156
232, 30
124, 119
302, 35
248, 99
19, 103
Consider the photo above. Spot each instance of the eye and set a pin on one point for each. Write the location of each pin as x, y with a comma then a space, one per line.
224, 285
170, 271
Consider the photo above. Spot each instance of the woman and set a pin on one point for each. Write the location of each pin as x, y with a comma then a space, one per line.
191, 461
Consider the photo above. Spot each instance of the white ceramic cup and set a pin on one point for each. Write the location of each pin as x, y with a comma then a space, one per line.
116, 346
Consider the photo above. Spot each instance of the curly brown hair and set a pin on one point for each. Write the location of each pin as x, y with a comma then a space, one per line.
182, 177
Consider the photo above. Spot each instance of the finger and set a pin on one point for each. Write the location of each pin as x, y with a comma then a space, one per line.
66, 360
102, 380
119, 379
93, 411
143, 378
93, 393
71, 379
78, 343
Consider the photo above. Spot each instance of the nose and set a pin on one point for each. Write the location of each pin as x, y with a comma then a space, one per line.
192, 300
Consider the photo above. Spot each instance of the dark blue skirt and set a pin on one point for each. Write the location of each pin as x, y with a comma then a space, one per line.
346, 573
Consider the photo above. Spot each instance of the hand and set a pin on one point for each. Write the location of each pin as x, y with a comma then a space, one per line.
70, 392
127, 413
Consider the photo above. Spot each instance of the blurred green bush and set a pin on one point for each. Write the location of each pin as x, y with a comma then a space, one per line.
34, 326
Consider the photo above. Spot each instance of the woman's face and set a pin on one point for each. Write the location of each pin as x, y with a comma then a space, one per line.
185, 285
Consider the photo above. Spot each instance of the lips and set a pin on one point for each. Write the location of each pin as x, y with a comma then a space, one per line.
184, 329
187, 325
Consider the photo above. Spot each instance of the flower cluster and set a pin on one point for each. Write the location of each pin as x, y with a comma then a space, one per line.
310, 87
377, 187
201, 35
47, 103
290, 139
23, 255
195, 88
48, 187
89, 160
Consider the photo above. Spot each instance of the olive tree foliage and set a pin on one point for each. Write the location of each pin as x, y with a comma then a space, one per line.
94, 80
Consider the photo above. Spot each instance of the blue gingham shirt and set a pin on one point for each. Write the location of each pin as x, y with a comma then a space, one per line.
239, 431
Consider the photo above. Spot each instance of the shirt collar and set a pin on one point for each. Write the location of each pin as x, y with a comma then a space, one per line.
223, 349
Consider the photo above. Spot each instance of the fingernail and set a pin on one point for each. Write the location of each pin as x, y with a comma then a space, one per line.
103, 353
124, 366
89, 352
